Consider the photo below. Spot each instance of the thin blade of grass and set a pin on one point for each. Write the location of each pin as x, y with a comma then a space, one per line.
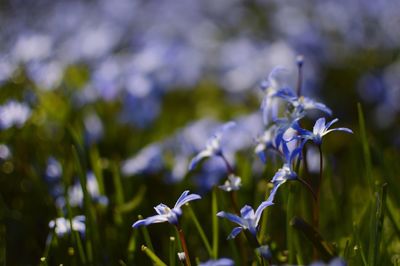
146, 235
376, 228
88, 207
132, 247
325, 249
172, 251
200, 230
365, 146
156, 260
215, 228
119, 192
2, 244
95, 161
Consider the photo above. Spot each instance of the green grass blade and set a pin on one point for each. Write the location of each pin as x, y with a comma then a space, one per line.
146, 235
200, 230
359, 244
215, 227
377, 226
132, 247
156, 260
2, 244
95, 161
365, 146
172, 251
119, 192
87, 203
289, 229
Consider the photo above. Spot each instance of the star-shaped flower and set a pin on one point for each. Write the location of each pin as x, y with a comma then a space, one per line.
213, 146
319, 131
248, 219
301, 104
166, 214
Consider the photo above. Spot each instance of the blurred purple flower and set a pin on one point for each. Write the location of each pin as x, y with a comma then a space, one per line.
14, 114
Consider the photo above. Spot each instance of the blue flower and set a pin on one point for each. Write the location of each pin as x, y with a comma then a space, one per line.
301, 104
213, 146
14, 114
166, 214
270, 86
232, 183
248, 221
319, 131
219, 262
286, 172
62, 226
266, 141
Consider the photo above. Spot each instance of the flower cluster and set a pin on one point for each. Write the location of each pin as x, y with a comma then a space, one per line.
283, 110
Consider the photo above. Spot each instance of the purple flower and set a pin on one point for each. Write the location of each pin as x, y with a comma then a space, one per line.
166, 214
232, 183
219, 262
14, 114
248, 219
213, 145
270, 87
62, 226
320, 130
301, 104
286, 172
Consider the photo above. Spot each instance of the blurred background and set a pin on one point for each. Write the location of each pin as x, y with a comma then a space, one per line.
141, 85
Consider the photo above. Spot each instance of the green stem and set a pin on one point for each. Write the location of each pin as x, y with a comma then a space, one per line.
157, 261
172, 251
146, 235
183, 243
201, 231
215, 228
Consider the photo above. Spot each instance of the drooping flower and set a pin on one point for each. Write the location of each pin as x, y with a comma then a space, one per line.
232, 183
62, 226
219, 262
213, 146
270, 86
248, 219
285, 173
266, 141
166, 214
320, 130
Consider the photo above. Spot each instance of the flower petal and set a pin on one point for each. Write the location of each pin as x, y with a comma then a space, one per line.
260, 209
319, 126
274, 189
203, 154
235, 232
247, 212
151, 220
185, 198
231, 217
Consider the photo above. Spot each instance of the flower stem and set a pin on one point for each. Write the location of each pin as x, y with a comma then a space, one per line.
300, 74
308, 186
233, 196
156, 260
318, 192
214, 210
183, 243
227, 164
